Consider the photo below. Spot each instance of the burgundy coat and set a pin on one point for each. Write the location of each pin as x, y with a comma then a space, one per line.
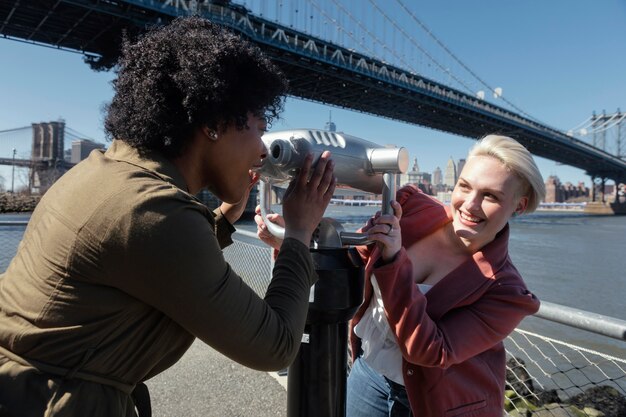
451, 338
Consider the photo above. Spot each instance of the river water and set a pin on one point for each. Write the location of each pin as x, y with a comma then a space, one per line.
568, 258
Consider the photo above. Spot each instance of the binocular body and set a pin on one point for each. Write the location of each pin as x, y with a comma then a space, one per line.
359, 163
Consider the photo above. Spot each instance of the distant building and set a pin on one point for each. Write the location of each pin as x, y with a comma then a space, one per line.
556, 192
459, 168
421, 179
414, 174
437, 177
330, 126
451, 174
552, 193
343, 192
82, 148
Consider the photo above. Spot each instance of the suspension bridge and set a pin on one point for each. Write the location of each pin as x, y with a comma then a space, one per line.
331, 54
38, 154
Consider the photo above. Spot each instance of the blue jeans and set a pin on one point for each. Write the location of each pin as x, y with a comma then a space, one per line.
370, 394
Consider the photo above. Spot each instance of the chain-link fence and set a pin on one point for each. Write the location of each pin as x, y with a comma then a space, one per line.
549, 377
545, 377
253, 263
10, 236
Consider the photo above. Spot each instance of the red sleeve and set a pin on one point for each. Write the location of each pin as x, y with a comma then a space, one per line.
462, 332
421, 214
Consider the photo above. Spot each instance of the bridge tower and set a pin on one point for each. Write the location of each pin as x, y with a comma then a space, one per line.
607, 132
47, 154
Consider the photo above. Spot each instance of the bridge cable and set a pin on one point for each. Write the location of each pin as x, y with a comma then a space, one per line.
418, 46
605, 126
602, 121
588, 125
15, 129
374, 38
77, 134
445, 48
334, 21
581, 125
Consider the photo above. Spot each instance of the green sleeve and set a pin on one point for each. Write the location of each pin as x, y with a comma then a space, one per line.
175, 263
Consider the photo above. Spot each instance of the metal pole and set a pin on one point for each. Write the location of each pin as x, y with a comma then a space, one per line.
389, 192
13, 171
316, 385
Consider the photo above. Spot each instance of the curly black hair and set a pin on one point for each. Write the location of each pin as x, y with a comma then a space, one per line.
188, 74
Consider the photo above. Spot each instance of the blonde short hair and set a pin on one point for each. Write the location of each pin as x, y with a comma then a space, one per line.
516, 159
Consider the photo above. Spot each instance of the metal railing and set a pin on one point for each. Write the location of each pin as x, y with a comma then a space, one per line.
545, 376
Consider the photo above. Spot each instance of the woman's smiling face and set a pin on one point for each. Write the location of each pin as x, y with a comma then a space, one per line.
484, 199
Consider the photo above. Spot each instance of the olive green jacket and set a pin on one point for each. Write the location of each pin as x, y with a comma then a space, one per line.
118, 271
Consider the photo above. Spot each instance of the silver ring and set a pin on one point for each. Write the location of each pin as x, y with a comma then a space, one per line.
390, 228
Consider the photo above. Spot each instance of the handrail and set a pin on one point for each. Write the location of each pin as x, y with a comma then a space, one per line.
247, 233
14, 223
584, 320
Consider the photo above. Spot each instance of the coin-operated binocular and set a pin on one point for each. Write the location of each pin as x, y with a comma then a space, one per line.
316, 385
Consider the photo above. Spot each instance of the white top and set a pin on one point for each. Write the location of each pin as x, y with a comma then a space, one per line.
380, 348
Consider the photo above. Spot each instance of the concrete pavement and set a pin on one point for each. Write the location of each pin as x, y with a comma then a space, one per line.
204, 383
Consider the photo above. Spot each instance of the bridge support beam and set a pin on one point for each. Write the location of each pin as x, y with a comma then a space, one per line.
598, 187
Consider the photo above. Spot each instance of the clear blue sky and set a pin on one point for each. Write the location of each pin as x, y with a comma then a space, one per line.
558, 60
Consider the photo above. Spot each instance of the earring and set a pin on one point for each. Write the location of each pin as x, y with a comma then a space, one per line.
210, 133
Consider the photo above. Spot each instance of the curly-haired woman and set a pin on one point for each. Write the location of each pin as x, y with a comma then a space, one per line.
121, 268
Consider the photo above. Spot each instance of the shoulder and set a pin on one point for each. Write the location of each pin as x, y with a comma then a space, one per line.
421, 214
415, 203
124, 200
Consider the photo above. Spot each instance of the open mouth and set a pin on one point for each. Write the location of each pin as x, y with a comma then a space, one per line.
469, 217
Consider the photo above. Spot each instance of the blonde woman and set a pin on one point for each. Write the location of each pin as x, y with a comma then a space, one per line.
442, 293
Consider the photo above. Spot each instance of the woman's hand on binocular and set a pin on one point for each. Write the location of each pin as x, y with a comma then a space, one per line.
385, 230
262, 231
306, 199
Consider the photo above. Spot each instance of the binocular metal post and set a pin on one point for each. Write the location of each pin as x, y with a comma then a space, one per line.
316, 386
317, 379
